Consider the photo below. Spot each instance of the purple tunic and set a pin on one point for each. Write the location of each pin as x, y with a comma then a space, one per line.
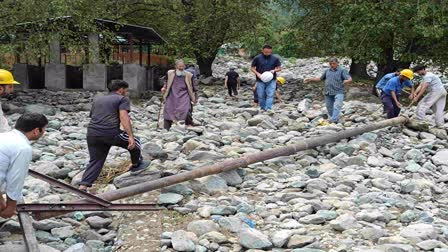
178, 101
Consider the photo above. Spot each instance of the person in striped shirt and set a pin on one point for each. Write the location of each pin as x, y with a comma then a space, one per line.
335, 78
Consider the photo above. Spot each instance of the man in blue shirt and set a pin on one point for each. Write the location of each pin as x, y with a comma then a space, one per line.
382, 83
15, 158
335, 78
391, 92
266, 62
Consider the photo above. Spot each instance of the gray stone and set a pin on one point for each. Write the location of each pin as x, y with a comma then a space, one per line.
45, 167
344, 222
214, 236
181, 241
44, 236
232, 224
22, 248
441, 158
412, 167
342, 148
253, 239
313, 219
201, 227
431, 244
169, 198
223, 210
397, 248
211, 185
179, 189
11, 226
414, 155
63, 232
95, 244
418, 232
48, 224
40, 109
299, 241
78, 247
408, 216
372, 233
280, 238
153, 151
231, 177
327, 214
98, 222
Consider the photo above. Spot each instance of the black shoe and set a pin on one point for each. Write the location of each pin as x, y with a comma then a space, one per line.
140, 167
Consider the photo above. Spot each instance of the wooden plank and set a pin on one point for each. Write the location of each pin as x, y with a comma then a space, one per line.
29, 235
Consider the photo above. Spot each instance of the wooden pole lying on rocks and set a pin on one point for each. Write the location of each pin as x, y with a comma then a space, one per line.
231, 164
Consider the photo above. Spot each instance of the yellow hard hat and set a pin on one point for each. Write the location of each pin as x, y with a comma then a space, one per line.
6, 78
407, 73
281, 80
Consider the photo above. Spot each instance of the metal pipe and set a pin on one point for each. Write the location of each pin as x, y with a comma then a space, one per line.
238, 162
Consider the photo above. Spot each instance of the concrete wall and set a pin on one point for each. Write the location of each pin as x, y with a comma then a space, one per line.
20, 73
135, 75
55, 76
94, 77
150, 79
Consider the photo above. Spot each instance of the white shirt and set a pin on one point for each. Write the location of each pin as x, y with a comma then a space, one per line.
434, 82
4, 127
15, 157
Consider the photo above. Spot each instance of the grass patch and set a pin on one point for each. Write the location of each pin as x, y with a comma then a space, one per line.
108, 173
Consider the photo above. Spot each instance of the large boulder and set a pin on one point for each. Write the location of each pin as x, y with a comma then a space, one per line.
253, 239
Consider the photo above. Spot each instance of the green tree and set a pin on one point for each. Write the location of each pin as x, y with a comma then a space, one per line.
198, 28
392, 33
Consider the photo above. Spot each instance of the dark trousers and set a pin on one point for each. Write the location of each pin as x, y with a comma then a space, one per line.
188, 121
232, 87
99, 147
390, 108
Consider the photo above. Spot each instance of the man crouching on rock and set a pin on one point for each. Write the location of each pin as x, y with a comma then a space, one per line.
108, 112
15, 158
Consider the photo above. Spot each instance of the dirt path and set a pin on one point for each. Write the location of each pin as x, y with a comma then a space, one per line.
140, 231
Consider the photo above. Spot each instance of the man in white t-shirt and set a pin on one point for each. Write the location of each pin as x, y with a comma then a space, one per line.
15, 158
7, 83
435, 99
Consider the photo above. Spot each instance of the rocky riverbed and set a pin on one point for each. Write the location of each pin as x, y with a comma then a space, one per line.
381, 191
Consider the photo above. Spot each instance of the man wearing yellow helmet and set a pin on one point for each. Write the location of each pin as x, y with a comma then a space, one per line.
7, 83
391, 92
435, 99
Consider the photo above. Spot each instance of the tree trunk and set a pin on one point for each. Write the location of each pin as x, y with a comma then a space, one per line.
205, 65
358, 69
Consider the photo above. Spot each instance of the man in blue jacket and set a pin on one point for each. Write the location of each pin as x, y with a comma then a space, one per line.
382, 83
391, 92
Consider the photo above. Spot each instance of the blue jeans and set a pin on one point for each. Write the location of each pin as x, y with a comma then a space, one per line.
334, 106
266, 92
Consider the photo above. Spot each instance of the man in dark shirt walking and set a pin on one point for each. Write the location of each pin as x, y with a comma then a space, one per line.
266, 62
103, 132
232, 81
